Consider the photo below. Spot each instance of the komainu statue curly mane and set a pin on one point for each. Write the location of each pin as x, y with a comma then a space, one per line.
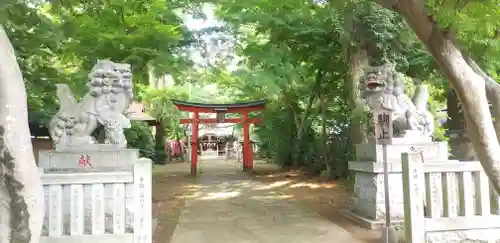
109, 97
383, 86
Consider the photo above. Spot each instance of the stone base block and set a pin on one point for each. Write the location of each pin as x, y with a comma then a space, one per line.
369, 192
87, 158
369, 196
465, 236
89, 147
367, 223
433, 151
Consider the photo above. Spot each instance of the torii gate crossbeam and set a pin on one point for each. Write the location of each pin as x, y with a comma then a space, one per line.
221, 109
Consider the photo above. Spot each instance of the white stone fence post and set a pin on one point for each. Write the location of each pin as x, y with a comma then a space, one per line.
448, 202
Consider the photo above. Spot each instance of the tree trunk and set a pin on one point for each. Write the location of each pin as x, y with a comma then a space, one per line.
324, 135
357, 58
152, 79
303, 123
492, 91
21, 195
469, 86
454, 111
460, 145
159, 135
300, 131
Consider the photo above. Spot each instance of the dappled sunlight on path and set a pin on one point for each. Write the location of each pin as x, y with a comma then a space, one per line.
226, 205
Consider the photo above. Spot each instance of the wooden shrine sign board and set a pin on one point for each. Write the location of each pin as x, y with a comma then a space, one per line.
383, 130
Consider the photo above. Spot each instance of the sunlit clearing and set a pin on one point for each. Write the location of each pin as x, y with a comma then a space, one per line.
293, 174
225, 185
193, 195
272, 185
193, 186
272, 197
244, 184
312, 185
271, 176
220, 195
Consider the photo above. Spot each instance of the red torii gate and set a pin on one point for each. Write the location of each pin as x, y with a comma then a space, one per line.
221, 109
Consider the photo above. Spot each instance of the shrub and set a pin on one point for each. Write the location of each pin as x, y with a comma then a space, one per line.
139, 137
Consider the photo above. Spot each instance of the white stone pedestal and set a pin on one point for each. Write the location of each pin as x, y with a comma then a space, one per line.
368, 204
99, 156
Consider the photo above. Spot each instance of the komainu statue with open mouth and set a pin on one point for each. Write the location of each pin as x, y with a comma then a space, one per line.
383, 86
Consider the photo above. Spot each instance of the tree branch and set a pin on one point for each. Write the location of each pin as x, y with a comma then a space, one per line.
469, 85
492, 90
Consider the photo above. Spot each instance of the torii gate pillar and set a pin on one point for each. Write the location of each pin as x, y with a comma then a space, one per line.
247, 150
194, 144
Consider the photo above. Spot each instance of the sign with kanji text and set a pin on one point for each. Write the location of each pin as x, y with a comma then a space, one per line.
383, 125
84, 160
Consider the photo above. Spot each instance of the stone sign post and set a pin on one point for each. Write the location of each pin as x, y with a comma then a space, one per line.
383, 125
383, 135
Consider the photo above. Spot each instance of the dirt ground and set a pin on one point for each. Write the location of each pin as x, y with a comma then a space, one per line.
172, 184
327, 198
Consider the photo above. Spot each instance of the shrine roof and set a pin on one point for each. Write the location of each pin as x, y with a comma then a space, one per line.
136, 113
208, 107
